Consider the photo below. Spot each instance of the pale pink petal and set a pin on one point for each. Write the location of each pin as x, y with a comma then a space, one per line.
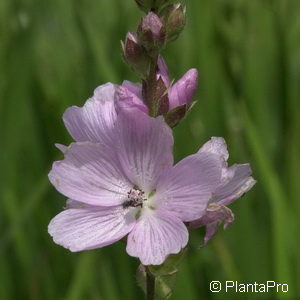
144, 146
134, 88
183, 90
90, 174
156, 235
214, 216
210, 231
76, 204
186, 188
214, 213
129, 95
95, 120
90, 227
236, 182
216, 145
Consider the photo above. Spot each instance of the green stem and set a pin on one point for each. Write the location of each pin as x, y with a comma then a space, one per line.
150, 287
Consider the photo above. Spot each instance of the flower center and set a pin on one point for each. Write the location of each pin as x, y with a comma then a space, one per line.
135, 198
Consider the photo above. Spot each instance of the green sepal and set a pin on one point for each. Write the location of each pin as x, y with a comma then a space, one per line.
165, 276
173, 116
177, 114
141, 277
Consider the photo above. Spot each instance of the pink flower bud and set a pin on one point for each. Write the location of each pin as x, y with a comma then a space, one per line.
135, 55
183, 90
151, 32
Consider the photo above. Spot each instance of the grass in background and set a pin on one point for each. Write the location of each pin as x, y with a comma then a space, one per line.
54, 53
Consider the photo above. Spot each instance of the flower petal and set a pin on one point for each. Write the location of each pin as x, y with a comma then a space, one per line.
90, 174
156, 235
144, 146
188, 186
129, 95
134, 88
237, 181
216, 145
214, 216
90, 227
95, 120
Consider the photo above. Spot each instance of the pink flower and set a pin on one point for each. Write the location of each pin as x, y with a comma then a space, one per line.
121, 181
235, 182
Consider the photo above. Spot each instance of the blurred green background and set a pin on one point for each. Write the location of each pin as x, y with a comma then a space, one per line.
54, 53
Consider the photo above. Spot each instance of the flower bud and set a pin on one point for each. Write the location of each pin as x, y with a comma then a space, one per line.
151, 33
135, 55
163, 70
183, 90
174, 19
154, 5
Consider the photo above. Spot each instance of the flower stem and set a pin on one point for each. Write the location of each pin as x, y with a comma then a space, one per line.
150, 285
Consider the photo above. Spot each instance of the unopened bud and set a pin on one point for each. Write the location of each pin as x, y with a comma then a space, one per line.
151, 32
163, 70
182, 92
151, 5
135, 55
174, 19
